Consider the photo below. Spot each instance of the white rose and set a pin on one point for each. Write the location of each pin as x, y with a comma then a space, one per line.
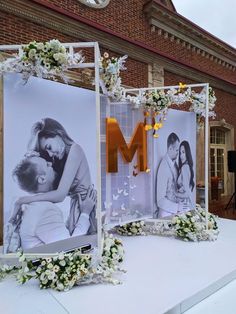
40, 46
60, 286
51, 275
62, 263
50, 266
61, 256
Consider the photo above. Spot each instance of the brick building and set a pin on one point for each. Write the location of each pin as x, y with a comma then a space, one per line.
164, 48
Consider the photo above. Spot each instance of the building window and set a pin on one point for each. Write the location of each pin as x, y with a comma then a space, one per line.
217, 136
218, 158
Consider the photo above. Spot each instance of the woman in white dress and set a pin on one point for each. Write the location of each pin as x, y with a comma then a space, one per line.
185, 180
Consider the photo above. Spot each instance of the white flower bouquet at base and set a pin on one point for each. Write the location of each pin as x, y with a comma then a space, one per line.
189, 226
65, 270
131, 229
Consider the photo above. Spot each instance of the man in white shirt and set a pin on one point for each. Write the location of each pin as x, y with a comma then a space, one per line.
166, 178
43, 222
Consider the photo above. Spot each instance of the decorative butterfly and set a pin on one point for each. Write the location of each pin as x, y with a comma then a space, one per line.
114, 214
132, 186
135, 166
135, 173
119, 191
107, 205
182, 86
132, 198
115, 197
125, 193
123, 207
125, 183
128, 177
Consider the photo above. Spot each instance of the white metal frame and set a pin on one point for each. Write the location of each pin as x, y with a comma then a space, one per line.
140, 91
71, 47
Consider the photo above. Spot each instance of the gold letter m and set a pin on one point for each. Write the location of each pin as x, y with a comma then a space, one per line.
115, 141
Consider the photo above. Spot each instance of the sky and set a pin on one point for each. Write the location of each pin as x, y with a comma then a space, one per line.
215, 16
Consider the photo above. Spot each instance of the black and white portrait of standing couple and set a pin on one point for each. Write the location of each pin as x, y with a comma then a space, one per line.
175, 164
50, 169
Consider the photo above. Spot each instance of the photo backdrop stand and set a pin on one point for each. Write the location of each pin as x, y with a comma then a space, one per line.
140, 91
92, 65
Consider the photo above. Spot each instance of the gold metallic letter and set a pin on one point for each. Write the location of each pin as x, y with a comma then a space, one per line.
115, 141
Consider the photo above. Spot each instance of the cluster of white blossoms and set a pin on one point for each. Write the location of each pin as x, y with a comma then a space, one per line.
63, 271
110, 79
112, 257
189, 226
160, 100
59, 272
42, 59
131, 229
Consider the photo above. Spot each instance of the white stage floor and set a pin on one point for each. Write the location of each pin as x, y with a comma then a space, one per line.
164, 275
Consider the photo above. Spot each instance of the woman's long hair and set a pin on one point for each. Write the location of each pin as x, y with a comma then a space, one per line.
189, 161
50, 128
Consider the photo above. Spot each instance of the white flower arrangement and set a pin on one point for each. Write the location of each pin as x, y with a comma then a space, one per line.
158, 102
110, 79
155, 101
131, 229
43, 59
189, 226
112, 257
65, 270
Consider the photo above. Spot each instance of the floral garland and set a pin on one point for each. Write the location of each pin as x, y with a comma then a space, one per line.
155, 104
110, 79
65, 270
43, 59
189, 226
158, 101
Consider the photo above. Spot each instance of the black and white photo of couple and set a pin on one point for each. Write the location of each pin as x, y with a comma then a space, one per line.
175, 178
53, 168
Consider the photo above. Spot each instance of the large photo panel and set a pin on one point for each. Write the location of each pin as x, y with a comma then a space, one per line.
127, 194
175, 164
50, 168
